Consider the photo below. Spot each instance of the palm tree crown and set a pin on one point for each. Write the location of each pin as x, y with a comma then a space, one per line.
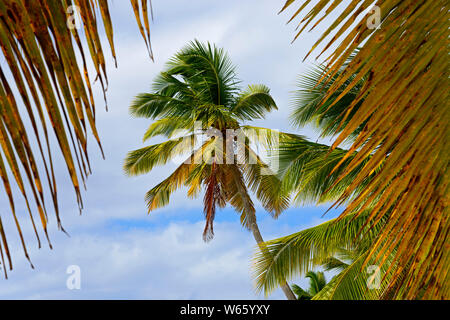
198, 94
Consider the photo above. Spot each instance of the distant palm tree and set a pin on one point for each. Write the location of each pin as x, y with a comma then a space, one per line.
317, 282
198, 93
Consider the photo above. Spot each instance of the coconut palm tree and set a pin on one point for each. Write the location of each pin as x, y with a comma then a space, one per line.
405, 126
199, 107
40, 41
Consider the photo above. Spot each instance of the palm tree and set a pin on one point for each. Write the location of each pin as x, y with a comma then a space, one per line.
197, 95
39, 42
317, 282
405, 126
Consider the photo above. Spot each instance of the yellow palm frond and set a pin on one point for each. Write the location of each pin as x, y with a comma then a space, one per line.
404, 59
40, 44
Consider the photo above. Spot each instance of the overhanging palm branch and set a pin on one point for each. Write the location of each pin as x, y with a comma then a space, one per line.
308, 170
340, 260
301, 252
312, 89
350, 284
39, 48
353, 282
406, 125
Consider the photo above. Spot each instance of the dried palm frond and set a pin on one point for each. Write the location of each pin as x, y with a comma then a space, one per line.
405, 110
40, 44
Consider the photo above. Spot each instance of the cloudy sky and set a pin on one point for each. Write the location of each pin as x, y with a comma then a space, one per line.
122, 252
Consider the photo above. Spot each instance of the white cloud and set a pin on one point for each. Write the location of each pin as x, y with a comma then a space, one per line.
168, 263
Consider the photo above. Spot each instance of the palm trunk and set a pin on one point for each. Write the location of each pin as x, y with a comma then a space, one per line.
253, 226
260, 241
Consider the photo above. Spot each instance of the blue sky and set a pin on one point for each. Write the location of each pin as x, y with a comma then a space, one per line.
124, 253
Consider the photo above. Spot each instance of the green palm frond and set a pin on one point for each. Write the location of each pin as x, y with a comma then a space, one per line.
159, 196
296, 254
149, 105
169, 127
208, 70
350, 284
40, 47
300, 293
310, 107
308, 170
266, 138
333, 263
253, 103
341, 259
190, 172
266, 184
405, 121
317, 282
359, 282
145, 159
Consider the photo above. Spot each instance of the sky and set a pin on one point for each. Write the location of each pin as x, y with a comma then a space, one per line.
124, 253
